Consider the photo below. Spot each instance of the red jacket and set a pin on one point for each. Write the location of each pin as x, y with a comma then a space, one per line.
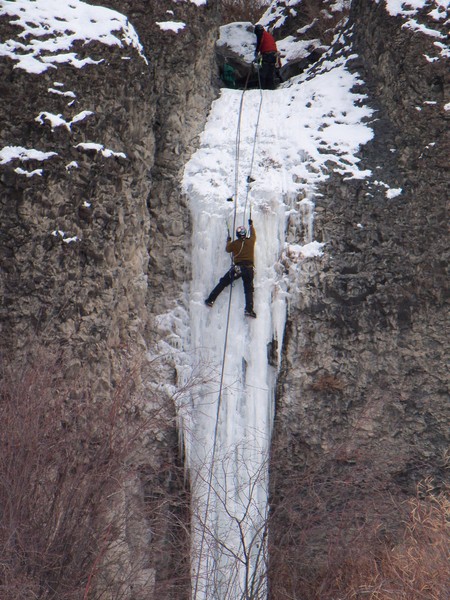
266, 43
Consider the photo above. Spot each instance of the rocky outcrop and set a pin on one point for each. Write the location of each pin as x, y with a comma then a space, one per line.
362, 399
95, 239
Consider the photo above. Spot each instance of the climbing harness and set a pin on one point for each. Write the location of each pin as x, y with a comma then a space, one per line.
236, 273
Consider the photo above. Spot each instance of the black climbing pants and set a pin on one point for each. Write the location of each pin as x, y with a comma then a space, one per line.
244, 270
267, 71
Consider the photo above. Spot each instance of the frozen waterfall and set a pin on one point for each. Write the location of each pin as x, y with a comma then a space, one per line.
305, 125
230, 492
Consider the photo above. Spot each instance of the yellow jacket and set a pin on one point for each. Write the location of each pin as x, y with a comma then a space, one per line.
243, 250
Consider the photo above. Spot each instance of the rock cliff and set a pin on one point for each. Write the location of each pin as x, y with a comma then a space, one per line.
362, 402
95, 238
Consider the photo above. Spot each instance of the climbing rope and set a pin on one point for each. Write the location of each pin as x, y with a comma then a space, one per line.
249, 177
225, 345
237, 153
213, 457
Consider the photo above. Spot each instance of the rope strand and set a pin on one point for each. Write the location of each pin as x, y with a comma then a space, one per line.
254, 148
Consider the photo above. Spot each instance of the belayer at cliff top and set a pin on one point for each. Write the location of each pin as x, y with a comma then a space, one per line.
266, 51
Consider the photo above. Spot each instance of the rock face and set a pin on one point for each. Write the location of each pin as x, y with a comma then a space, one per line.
362, 399
91, 253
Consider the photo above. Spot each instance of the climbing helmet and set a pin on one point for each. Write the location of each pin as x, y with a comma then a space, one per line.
241, 232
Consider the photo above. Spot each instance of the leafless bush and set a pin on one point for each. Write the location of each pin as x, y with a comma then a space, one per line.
236, 553
337, 536
64, 459
415, 567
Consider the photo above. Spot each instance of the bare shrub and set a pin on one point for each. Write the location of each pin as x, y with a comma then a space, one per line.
413, 568
64, 458
347, 538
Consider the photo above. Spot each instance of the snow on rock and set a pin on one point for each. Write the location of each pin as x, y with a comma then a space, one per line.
9, 153
408, 8
175, 26
60, 93
106, 152
413, 10
393, 193
63, 234
278, 13
196, 2
239, 38
59, 121
50, 28
20, 171
292, 49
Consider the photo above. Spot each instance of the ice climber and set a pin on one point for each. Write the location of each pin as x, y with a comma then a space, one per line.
266, 48
243, 249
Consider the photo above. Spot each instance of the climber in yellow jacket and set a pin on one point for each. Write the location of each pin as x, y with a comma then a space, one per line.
243, 250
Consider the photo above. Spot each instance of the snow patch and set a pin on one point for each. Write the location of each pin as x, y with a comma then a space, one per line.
60, 93
20, 171
59, 121
62, 235
9, 153
239, 38
407, 9
196, 2
393, 193
51, 28
175, 26
106, 152
415, 26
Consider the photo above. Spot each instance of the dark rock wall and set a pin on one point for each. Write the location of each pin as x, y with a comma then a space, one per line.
97, 298
184, 83
74, 292
362, 403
